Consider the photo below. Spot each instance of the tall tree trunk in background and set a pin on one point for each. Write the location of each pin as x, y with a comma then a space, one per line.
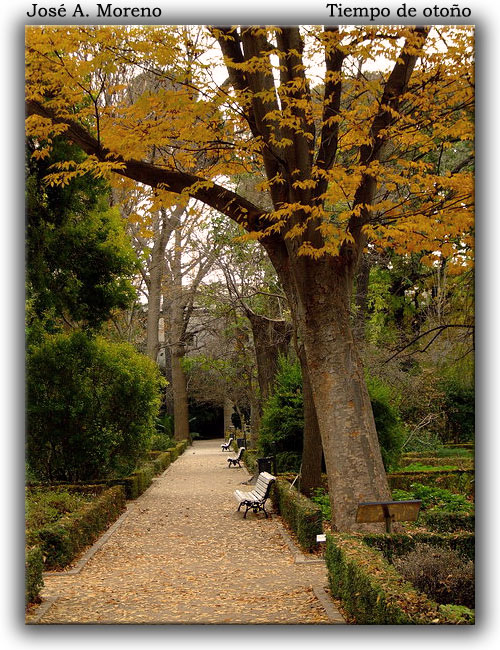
228, 411
361, 298
271, 339
177, 345
180, 394
155, 279
312, 449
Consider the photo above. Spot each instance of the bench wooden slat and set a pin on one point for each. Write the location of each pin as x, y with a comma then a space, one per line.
257, 497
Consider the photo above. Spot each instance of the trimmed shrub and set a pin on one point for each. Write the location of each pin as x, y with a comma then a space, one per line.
448, 522
459, 481
440, 573
411, 463
91, 407
301, 514
250, 459
64, 539
33, 574
397, 544
160, 461
374, 592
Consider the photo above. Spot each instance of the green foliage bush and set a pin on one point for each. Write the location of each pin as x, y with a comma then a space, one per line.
160, 461
47, 506
389, 427
282, 425
62, 540
301, 514
321, 498
370, 588
397, 544
422, 467
162, 438
288, 461
91, 407
33, 574
447, 522
459, 409
414, 463
434, 497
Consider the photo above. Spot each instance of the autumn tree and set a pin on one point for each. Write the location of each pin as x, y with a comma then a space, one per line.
341, 170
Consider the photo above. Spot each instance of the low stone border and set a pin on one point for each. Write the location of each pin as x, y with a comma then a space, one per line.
333, 614
299, 557
42, 609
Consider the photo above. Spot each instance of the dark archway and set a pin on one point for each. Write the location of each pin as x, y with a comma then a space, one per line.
206, 420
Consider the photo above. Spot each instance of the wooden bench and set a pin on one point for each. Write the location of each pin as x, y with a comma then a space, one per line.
256, 499
235, 460
226, 445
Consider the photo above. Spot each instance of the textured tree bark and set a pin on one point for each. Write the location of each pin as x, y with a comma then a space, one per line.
312, 449
361, 299
352, 453
180, 395
271, 338
228, 411
177, 345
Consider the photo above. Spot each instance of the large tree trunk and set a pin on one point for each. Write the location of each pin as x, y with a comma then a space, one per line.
352, 452
319, 293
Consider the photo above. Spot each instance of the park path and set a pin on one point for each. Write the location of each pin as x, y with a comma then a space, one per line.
183, 554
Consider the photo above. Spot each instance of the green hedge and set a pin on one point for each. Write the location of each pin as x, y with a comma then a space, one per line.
62, 541
461, 481
302, 515
373, 591
460, 462
135, 484
160, 461
33, 573
448, 522
250, 460
398, 544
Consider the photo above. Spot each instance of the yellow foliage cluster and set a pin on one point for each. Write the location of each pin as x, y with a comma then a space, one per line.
159, 94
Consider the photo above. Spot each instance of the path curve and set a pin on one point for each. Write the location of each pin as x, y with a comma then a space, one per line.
183, 554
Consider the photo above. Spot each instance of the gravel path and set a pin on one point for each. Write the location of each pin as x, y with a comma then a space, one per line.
182, 554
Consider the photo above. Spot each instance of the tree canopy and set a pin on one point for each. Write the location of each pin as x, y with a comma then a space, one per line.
307, 105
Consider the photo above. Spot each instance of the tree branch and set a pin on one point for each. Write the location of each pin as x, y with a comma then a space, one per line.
244, 212
439, 329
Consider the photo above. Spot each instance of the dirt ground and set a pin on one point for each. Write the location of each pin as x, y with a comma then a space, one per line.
182, 554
